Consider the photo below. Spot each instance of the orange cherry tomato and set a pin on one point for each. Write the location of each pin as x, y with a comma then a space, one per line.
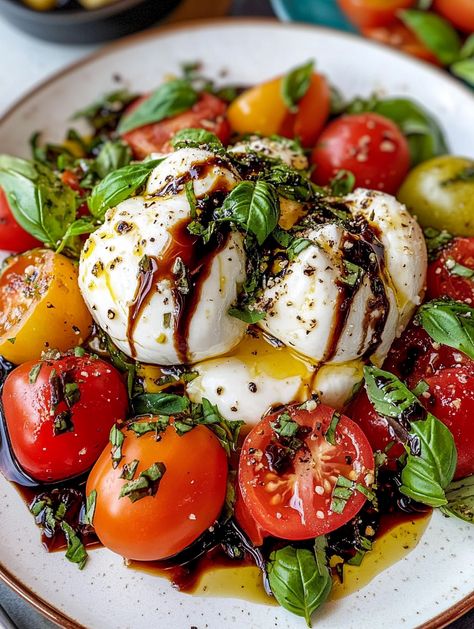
398, 36
261, 109
188, 499
41, 306
370, 13
459, 12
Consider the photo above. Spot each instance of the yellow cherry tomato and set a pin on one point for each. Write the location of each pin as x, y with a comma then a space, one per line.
41, 306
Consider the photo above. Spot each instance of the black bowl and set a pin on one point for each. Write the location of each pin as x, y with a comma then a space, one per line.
76, 25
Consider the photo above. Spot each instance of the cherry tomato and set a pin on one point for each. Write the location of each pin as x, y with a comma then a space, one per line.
288, 490
261, 109
450, 398
445, 279
414, 356
13, 237
399, 36
41, 306
208, 113
254, 532
187, 502
376, 428
460, 13
59, 413
370, 13
369, 145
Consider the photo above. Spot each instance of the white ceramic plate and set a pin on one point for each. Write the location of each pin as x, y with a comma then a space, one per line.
433, 584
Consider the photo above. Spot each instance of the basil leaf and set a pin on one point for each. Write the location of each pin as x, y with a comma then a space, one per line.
431, 456
83, 225
146, 484
116, 438
34, 373
300, 579
104, 113
295, 84
454, 268
160, 404
226, 431
424, 136
196, 138
467, 49
112, 156
168, 100
464, 70
297, 246
290, 183
435, 241
118, 186
343, 183
254, 207
449, 322
247, 315
76, 552
460, 497
91, 501
436, 33
285, 426
39, 201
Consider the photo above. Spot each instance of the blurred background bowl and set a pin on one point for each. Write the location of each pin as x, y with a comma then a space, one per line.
76, 25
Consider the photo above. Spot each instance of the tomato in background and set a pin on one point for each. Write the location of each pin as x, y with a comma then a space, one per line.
209, 113
399, 36
369, 145
445, 280
373, 13
289, 495
41, 306
59, 413
459, 12
13, 237
261, 109
187, 501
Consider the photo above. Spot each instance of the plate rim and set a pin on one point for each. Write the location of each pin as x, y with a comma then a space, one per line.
48, 610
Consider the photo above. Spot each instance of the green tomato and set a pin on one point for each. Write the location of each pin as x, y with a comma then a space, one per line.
440, 193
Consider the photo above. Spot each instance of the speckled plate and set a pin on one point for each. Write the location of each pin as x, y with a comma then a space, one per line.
429, 587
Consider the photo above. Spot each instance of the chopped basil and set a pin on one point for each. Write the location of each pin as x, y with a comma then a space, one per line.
295, 84
330, 435
76, 552
142, 427
116, 438
343, 183
436, 240
342, 491
191, 198
72, 394
246, 315
79, 352
34, 373
160, 404
252, 206
62, 423
181, 274
196, 138
104, 113
300, 578
454, 268
296, 246
145, 485
170, 99
421, 387
449, 322
91, 501
353, 275
129, 469
431, 452
284, 426
290, 183
460, 497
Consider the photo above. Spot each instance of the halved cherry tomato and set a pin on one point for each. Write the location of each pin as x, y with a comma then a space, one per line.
445, 279
41, 306
459, 12
254, 532
288, 488
261, 109
13, 237
370, 146
370, 13
59, 413
208, 113
399, 36
450, 398
188, 499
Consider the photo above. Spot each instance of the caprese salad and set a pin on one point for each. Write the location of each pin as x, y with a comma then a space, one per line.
223, 327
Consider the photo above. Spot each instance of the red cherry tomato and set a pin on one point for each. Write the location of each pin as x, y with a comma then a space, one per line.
370, 146
370, 13
289, 493
208, 113
13, 237
414, 357
376, 428
445, 279
254, 532
187, 501
459, 12
399, 36
58, 414
450, 398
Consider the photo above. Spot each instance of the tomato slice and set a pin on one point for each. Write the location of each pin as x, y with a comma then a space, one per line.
287, 485
446, 279
208, 113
